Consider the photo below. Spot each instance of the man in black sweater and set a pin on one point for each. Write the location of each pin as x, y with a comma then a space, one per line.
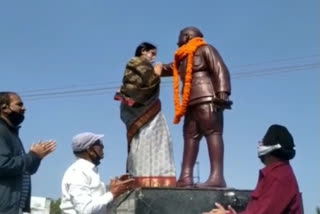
16, 166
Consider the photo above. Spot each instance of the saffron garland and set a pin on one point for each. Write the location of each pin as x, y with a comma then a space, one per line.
186, 50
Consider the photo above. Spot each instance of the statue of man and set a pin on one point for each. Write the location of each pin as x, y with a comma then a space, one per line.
205, 93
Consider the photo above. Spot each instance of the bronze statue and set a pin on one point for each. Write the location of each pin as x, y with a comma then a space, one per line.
206, 90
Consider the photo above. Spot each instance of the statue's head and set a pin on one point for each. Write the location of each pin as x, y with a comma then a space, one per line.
188, 33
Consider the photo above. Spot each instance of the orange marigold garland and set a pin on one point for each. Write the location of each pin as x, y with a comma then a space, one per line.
186, 50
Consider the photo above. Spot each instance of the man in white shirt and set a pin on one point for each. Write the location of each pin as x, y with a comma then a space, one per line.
82, 189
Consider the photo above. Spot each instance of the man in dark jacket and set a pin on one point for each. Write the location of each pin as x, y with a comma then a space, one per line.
16, 165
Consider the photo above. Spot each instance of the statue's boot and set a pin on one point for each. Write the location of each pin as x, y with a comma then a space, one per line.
190, 152
215, 149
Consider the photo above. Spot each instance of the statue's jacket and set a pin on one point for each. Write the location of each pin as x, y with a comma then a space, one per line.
210, 75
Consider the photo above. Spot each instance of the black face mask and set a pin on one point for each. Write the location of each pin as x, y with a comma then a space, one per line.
96, 158
16, 118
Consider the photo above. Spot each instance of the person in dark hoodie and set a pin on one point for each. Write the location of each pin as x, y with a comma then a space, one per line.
16, 166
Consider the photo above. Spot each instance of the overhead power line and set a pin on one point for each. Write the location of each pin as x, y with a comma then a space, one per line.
244, 69
54, 93
277, 61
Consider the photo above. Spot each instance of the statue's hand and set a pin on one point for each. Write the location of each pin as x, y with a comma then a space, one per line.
223, 101
223, 96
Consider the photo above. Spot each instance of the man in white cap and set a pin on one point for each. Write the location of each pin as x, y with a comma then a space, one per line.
82, 189
277, 191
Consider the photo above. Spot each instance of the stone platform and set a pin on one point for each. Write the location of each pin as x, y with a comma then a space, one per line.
177, 200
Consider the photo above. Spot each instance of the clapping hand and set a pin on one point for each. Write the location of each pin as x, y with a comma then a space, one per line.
119, 186
42, 149
220, 210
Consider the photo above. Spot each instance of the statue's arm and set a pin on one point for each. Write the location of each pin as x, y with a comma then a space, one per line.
219, 71
167, 70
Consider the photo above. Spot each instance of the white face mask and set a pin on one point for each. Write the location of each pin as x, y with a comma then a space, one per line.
263, 150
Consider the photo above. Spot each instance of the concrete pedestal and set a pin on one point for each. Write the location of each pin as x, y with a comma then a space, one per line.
177, 200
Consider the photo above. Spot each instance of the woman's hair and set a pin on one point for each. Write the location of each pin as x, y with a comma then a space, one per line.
144, 46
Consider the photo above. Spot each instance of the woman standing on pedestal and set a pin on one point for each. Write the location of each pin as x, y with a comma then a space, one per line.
150, 155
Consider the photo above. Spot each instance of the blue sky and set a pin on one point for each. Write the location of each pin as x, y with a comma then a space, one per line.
58, 46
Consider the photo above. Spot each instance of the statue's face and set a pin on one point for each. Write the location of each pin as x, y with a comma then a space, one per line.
183, 38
